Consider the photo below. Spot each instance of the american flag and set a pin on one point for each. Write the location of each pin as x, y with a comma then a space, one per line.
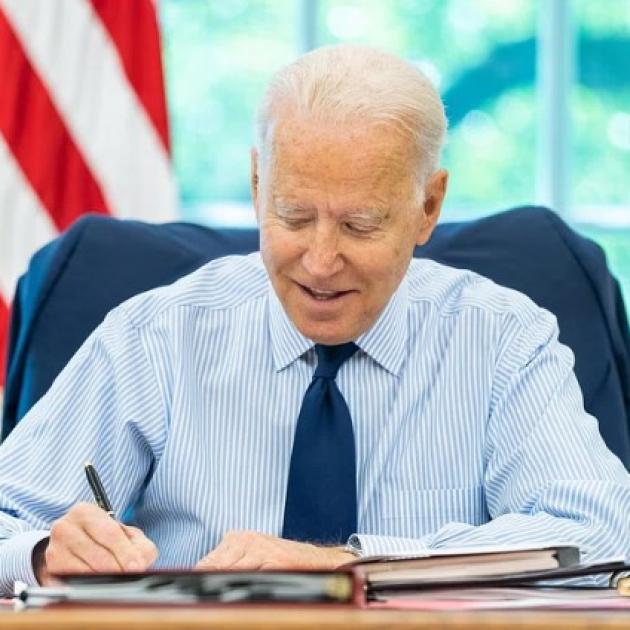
83, 123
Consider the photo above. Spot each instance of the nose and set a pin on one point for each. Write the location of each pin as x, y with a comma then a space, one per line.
322, 258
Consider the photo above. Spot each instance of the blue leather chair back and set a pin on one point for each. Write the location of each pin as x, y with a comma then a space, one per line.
99, 262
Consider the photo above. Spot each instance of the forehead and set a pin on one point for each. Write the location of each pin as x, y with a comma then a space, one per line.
340, 160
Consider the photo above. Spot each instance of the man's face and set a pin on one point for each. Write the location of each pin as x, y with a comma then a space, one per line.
339, 213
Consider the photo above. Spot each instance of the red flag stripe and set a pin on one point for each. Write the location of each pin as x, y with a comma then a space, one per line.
4, 326
142, 64
39, 139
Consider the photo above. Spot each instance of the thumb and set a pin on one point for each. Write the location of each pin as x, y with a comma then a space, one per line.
146, 547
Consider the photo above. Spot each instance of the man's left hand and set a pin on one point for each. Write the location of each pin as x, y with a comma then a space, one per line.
252, 551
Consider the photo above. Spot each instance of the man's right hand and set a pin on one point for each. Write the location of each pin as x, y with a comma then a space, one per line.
88, 540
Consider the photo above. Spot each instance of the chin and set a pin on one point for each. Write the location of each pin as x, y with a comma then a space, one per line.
327, 335
331, 341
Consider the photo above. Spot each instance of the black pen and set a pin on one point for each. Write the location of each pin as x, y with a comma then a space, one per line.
98, 490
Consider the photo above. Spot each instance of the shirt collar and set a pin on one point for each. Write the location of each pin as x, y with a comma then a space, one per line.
384, 341
287, 342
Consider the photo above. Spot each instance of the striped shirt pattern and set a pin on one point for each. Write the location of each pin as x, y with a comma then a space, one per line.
469, 422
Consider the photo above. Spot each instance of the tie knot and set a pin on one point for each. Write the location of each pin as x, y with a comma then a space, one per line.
330, 358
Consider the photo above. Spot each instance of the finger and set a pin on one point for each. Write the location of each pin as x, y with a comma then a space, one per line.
221, 560
99, 558
144, 545
249, 562
226, 554
108, 533
73, 564
131, 531
67, 537
61, 559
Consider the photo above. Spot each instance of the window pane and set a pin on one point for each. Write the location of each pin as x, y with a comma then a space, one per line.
601, 129
481, 55
601, 112
218, 58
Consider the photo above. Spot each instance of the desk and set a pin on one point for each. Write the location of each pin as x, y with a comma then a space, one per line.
302, 618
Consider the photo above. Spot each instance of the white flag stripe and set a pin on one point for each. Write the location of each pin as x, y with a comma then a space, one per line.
23, 218
102, 111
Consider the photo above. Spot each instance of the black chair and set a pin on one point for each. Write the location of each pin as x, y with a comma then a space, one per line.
99, 262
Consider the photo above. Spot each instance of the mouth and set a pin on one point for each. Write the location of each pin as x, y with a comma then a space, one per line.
322, 295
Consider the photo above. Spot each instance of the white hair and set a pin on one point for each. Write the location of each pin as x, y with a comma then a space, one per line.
348, 82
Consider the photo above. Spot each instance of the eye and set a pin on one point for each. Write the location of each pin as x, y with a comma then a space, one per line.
294, 223
359, 228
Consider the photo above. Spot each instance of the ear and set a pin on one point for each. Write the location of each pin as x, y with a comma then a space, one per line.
254, 179
434, 193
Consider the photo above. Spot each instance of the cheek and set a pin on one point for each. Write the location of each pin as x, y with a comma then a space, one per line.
384, 265
278, 247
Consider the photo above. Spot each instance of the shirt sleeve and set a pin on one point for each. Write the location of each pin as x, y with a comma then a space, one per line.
549, 477
104, 407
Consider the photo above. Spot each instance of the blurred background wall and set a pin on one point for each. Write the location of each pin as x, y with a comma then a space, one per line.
537, 95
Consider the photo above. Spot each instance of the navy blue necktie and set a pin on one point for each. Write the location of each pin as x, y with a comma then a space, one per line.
321, 505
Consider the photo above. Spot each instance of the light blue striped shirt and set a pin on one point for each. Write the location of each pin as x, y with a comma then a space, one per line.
469, 422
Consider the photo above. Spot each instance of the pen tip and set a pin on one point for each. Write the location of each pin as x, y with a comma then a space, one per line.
87, 464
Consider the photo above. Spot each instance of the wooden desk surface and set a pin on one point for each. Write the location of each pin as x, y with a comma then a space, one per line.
303, 618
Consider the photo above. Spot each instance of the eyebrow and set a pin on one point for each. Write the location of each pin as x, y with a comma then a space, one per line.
368, 214
284, 206
376, 215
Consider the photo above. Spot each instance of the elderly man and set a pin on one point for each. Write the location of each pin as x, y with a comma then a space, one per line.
327, 396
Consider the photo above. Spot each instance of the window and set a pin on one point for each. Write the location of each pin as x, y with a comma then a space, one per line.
218, 58
600, 108
537, 94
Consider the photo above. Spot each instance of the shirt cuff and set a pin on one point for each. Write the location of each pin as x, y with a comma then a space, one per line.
16, 559
371, 545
